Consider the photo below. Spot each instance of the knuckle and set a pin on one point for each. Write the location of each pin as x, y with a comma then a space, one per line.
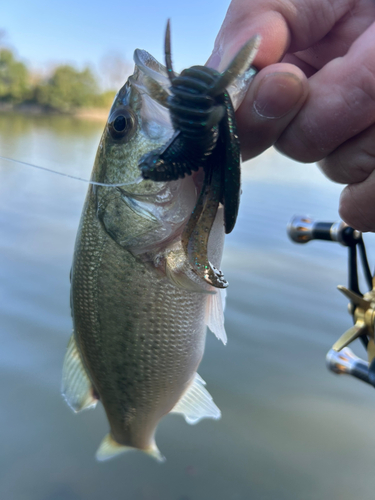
353, 161
343, 169
355, 210
297, 145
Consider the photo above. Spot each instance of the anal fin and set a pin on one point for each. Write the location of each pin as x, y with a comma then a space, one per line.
197, 403
76, 386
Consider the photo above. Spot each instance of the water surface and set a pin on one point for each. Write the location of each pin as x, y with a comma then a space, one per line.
290, 429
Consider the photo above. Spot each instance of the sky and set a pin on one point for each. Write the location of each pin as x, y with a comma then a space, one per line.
81, 32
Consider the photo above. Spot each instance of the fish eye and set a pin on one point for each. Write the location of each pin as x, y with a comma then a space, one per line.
122, 124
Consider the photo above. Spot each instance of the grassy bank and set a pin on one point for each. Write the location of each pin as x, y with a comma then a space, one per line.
66, 90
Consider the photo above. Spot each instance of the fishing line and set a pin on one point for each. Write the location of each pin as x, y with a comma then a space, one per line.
136, 181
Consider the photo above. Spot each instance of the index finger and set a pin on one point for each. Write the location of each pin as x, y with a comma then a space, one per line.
292, 25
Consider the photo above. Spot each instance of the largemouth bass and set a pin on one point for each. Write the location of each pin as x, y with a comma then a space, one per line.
139, 310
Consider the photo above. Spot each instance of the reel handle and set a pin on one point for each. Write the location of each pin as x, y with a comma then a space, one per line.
302, 229
347, 362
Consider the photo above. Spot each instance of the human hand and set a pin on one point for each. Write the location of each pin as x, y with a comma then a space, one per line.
318, 103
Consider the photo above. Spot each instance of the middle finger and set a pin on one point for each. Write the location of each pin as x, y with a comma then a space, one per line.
341, 104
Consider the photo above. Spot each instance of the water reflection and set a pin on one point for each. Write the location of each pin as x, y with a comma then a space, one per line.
290, 430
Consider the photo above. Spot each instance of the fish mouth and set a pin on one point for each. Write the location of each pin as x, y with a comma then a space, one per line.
194, 231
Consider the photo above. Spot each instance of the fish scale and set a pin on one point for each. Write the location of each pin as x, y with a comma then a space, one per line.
125, 367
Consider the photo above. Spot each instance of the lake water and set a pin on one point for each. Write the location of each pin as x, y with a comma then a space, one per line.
290, 429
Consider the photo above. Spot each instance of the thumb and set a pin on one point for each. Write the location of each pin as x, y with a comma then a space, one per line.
274, 98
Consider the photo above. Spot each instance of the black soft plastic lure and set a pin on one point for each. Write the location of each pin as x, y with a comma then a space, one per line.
205, 136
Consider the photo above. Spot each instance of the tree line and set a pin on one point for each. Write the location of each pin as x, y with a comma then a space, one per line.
65, 90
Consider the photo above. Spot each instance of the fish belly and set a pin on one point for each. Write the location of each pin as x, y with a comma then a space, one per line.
140, 337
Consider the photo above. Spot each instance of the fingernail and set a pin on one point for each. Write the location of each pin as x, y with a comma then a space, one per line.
276, 95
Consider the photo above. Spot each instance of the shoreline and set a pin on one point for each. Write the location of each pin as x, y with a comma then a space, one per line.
99, 114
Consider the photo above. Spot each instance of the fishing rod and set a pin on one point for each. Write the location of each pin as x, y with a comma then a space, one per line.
340, 359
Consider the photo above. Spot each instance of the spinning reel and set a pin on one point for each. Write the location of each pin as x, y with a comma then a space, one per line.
340, 359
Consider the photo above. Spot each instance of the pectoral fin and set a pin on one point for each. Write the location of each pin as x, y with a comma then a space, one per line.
197, 403
215, 314
76, 385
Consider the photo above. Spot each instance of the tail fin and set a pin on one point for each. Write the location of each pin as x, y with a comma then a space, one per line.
109, 448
